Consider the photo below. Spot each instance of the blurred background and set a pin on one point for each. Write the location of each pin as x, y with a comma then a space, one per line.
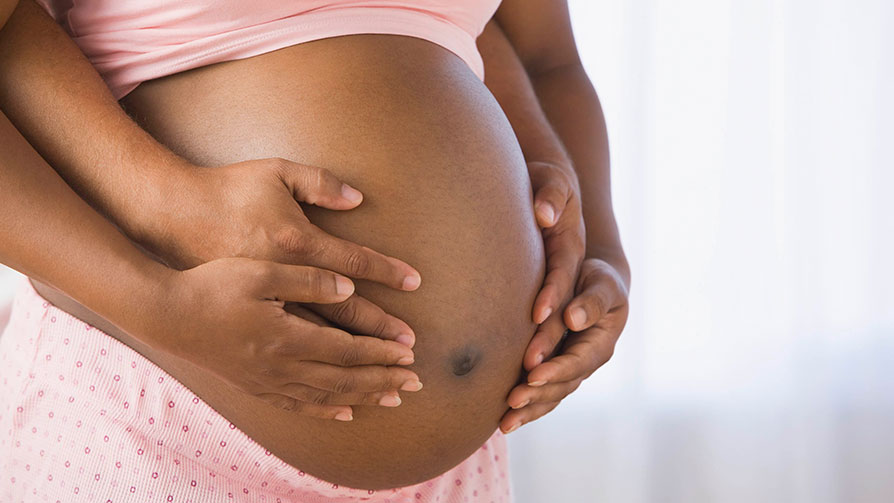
753, 181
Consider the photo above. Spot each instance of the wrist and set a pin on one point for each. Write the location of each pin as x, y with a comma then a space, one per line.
150, 304
132, 293
614, 256
152, 217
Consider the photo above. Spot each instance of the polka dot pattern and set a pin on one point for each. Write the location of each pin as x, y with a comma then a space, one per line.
85, 418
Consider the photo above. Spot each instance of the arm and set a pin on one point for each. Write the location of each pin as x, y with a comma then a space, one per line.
532, 68
50, 92
222, 315
183, 214
219, 315
535, 72
43, 220
39, 213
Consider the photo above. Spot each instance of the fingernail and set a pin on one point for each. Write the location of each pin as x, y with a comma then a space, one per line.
513, 428
406, 360
538, 359
406, 339
343, 286
411, 282
390, 401
350, 193
411, 386
578, 316
536, 383
526, 402
545, 314
344, 416
548, 212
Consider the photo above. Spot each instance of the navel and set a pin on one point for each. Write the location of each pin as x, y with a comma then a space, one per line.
464, 359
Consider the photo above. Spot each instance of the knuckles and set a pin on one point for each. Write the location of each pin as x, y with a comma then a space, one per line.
344, 384
357, 264
346, 313
291, 240
349, 356
319, 397
286, 403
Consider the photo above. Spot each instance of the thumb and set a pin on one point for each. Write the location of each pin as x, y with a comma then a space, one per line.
317, 186
550, 193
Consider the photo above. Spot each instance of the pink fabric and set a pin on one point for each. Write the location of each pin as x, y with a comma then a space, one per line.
85, 418
130, 41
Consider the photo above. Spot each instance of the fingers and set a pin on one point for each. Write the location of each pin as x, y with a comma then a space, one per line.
317, 186
513, 419
584, 352
320, 249
308, 394
564, 255
599, 292
298, 283
304, 313
361, 379
523, 395
551, 192
544, 342
337, 347
361, 316
337, 412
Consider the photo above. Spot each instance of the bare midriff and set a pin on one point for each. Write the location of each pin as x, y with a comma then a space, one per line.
445, 189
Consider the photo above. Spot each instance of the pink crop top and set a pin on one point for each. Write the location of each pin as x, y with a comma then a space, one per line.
131, 41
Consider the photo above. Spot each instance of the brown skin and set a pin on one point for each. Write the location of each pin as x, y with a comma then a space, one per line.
237, 296
439, 164
546, 93
119, 158
585, 358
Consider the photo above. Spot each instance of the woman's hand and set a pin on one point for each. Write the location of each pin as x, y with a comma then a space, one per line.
250, 209
597, 316
227, 317
557, 208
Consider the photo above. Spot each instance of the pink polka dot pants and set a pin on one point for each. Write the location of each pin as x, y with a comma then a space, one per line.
85, 418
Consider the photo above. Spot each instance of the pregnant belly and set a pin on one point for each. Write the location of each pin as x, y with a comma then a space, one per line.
446, 190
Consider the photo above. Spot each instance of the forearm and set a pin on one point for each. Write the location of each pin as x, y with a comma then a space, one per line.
59, 103
557, 118
572, 106
507, 80
49, 233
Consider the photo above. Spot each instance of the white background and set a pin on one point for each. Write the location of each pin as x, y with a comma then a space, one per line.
752, 176
753, 180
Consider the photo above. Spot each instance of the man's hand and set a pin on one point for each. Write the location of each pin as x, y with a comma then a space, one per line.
597, 315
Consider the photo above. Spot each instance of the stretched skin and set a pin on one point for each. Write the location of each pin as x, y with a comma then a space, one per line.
445, 189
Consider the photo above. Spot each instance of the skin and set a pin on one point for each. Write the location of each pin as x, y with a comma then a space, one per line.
599, 288
546, 95
121, 159
439, 164
36, 198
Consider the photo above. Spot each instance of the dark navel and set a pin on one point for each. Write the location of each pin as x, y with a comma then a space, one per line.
464, 359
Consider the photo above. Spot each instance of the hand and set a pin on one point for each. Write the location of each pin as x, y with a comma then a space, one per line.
227, 317
250, 209
557, 208
597, 315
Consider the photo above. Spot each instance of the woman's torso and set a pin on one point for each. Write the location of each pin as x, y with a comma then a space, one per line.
446, 189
